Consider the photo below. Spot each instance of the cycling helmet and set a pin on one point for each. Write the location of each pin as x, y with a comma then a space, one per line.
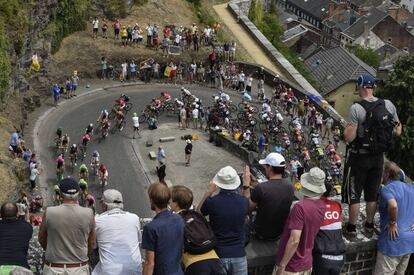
38, 197
122, 95
95, 154
74, 145
182, 88
91, 125
90, 198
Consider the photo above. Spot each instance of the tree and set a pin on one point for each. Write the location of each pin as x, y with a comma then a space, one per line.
367, 55
399, 88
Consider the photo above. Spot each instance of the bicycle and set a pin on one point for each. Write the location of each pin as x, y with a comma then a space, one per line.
73, 159
82, 153
113, 73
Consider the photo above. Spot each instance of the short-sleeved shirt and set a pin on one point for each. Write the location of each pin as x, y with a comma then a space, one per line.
273, 198
14, 242
195, 113
188, 149
403, 193
13, 139
133, 67
68, 227
118, 236
357, 115
34, 173
135, 121
307, 216
164, 235
227, 213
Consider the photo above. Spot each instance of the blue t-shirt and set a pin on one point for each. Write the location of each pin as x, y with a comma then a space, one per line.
227, 212
56, 91
262, 141
13, 139
132, 67
403, 193
165, 236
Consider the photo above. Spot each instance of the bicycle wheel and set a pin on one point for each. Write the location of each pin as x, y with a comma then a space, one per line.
262, 126
122, 126
240, 105
142, 118
232, 108
128, 106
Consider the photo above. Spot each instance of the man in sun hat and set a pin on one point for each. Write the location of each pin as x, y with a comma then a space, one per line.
118, 234
227, 212
67, 233
272, 198
294, 254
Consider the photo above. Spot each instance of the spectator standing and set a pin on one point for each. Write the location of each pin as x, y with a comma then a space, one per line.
364, 164
272, 198
34, 172
396, 241
133, 71
163, 237
183, 118
95, 27
118, 236
262, 144
195, 117
150, 31
104, 67
124, 72
196, 41
329, 248
135, 124
75, 82
56, 94
124, 36
161, 157
241, 78
13, 141
161, 172
249, 84
104, 29
67, 233
15, 235
188, 150
296, 243
227, 212
194, 264
329, 122
117, 29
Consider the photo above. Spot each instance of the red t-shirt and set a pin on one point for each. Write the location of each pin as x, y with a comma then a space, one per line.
306, 215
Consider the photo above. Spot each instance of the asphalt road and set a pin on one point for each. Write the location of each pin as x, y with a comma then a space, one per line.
125, 172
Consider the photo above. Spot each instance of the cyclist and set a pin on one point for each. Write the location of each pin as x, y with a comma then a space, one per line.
103, 174
121, 102
103, 115
106, 124
319, 152
83, 185
306, 157
185, 93
65, 142
330, 148
83, 171
89, 129
90, 202
166, 97
336, 160
60, 164
155, 102
85, 139
178, 103
279, 118
58, 138
73, 152
224, 97
119, 117
314, 137
247, 97
95, 160
266, 107
57, 199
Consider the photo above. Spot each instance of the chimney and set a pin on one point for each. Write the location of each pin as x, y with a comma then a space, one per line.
362, 11
366, 30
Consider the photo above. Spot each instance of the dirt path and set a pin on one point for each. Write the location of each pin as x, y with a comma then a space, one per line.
252, 48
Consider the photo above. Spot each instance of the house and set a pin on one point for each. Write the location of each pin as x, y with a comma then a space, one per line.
312, 11
357, 5
300, 38
389, 54
339, 18
408, 4
360, 33
336, 71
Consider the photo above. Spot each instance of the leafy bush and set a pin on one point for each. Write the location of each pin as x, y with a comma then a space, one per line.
367, 55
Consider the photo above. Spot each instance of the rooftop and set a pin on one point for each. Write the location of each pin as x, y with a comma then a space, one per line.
293, 32
373, 17
366, 3
334, 67
317, 8
342, 19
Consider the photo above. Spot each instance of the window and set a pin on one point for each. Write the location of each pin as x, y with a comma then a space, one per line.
389, 39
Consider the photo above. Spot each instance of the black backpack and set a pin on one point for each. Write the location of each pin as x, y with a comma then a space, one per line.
377, 128
199, 238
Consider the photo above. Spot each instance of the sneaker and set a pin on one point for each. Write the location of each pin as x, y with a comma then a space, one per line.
349, 235
368, 231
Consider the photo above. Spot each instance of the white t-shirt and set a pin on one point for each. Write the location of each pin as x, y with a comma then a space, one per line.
279, 117
118, 237
249, 81
124, 67
33, 173
195, 113
241, 77
266, 108
95, 24
135, 121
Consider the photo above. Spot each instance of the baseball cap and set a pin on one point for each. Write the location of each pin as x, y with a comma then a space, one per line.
69, 186
366, 81
273, 159
113, 197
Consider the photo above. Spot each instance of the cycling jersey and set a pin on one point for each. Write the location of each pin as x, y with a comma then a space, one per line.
83, 168
65, 140
103, 171
306, 155
95, 160
56, 189
85, 139
166, 97
73, 150
83, 184
89, 129
266, 108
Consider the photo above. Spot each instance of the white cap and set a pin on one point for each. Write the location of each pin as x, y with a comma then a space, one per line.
113, 198
227, 178
273, 159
